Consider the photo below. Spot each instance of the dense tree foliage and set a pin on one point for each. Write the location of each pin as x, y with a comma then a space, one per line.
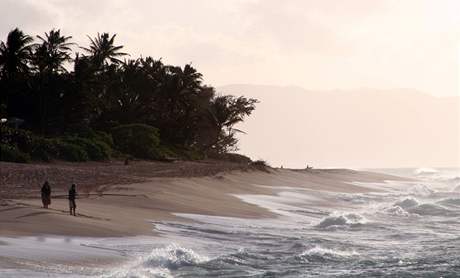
60, 93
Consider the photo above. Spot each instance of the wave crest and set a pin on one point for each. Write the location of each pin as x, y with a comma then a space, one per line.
420, 189
349, 219
159, 263
430, 209
407, 203
318, 253
173, 257
397, 211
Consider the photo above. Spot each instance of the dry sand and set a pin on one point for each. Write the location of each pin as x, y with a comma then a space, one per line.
118, 200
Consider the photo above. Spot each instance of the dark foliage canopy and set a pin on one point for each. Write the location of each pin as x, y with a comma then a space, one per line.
58, 92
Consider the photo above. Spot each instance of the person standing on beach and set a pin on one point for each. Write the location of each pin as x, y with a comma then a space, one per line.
72, 196
46, 194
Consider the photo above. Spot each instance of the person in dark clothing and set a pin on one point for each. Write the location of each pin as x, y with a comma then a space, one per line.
46, 194
72, 196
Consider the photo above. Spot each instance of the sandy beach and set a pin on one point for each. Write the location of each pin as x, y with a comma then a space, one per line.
119, 200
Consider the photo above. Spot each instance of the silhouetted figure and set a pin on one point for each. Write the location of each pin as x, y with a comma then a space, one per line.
72, 196
46, 194
127, 161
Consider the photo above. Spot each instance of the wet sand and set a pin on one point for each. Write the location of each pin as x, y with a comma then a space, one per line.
124, 201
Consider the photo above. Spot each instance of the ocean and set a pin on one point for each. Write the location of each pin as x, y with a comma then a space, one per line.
403, 229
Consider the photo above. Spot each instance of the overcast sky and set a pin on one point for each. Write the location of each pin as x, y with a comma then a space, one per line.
313, 44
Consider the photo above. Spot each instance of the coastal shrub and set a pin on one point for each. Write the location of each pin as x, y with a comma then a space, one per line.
81, 130
104, 148
167, 153
13, 154
138, 140
231, 157
193, 154
102, 136
71, 152
260, 165
44, 149
21, 138
95, 150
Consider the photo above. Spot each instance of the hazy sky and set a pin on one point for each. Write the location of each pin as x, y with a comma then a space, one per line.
314, 44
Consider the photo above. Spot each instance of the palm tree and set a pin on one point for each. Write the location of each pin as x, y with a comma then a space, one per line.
188, 78
15, 53
52, 52
226, 111
48, 59
103, 50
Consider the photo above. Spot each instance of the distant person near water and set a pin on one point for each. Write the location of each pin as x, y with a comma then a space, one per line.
72, 196
46, 194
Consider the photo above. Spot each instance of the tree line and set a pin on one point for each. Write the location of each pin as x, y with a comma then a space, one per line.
53, 91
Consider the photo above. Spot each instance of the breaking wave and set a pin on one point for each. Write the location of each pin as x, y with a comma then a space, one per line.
160, 262
407, 203
318, 253
341, 220
430, 209
173, 257
397, 211
420, 190
411, 205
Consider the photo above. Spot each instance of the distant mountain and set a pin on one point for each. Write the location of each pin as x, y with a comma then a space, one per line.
294, 127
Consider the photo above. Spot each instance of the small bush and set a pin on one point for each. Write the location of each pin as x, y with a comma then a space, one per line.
81, 130
95, 150
44, 149
260, 165
104, 137
21, 138
138, 140
105, 149
231, 157
71, 152
167, 153
13, 154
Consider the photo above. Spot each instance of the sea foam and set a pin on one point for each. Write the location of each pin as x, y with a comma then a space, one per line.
341, 220
159, 263
173, 257
319, 253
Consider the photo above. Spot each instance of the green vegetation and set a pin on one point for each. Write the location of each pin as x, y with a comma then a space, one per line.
138, 140
12, 154
99, 103
260, 165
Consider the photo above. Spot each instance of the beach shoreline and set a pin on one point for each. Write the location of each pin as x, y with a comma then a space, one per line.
121, 200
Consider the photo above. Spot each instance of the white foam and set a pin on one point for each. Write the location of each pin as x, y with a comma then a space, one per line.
327, 253
159, 263
337, 220
397, 211
173, 256
420, 190
136, 272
